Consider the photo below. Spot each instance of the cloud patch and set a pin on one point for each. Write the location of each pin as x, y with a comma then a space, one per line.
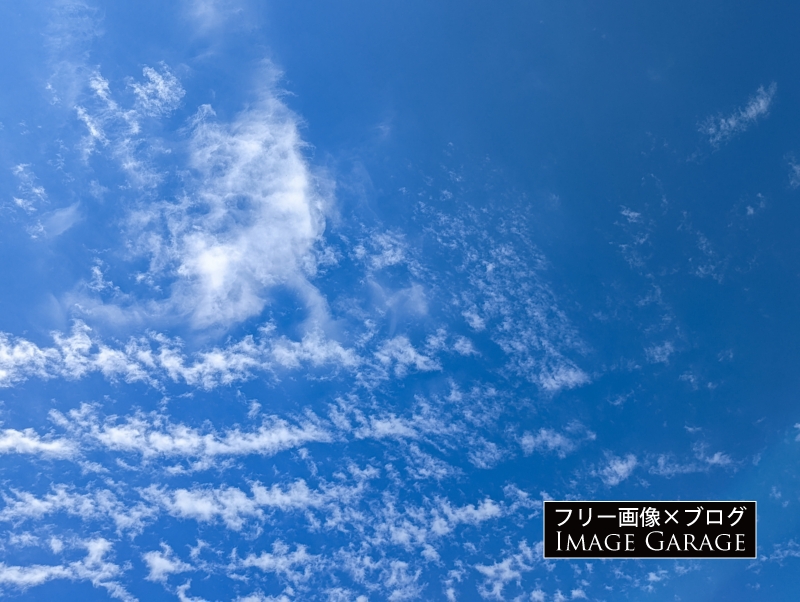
247, 221
721, 128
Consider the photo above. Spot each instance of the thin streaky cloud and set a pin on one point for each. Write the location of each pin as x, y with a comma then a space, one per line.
720, 129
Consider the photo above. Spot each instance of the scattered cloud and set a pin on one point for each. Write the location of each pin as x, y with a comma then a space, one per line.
617, 469
154, 436
659, 354
551, 441
94, 568
159, 94
400, 354
28, 441
721, 128
163, 564
294, 566
156, 357
510, 569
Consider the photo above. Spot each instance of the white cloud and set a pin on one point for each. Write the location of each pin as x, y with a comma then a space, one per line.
632, 216
794, 173
230, 504
235, 507
163, 564
314, 349
401, 353
211, 15
723, 128
20, 358
547, 440
401, 582
474, 320
659, 354
24, 577
23, 539
781, 552
561, 375
388, 426
464, 346
618, 469
447, 517
505, 294
425, 466
184, 597
484, 454
295, 566
259, 597
118, 130
511, 568
383, 250
715, 459
28, 441
59, 221
160, 94
666, 466
32, 195
248, 221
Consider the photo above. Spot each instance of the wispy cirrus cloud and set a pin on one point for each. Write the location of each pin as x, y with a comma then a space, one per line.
794, 172
248, 215
721, 128
160, 93
248, 219
551, 441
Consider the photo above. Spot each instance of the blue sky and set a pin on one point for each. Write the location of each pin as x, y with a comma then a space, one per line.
320, 301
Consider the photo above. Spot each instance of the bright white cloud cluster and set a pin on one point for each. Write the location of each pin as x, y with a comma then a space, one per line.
162, 564
27, 441
248, 220
283, 562
249, 213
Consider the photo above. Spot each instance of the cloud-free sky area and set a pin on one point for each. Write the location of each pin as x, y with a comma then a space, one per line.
310, 300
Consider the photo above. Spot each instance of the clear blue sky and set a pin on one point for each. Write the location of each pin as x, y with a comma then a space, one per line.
319, 301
